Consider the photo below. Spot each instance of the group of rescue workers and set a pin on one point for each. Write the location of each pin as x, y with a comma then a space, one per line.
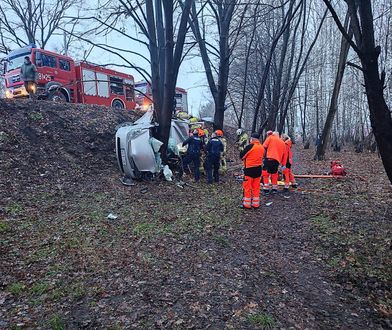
215, 152
261, 161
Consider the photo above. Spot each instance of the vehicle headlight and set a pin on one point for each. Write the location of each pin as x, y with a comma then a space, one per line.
8, 94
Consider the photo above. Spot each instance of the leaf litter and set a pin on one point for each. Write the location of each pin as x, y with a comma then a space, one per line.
179, 257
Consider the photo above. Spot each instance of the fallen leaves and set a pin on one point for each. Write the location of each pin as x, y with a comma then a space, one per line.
176, 257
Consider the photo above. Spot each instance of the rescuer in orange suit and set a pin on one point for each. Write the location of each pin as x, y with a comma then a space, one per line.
274, 157
252, 156
287, 163
264, 172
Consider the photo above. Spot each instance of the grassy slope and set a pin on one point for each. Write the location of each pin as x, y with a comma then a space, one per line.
178, 257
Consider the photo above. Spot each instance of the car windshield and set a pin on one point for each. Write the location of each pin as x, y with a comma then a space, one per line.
15, 62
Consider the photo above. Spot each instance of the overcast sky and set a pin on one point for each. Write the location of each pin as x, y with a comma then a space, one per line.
191, 76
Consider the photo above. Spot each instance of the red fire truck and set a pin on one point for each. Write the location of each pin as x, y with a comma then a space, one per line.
143, 96
61, 79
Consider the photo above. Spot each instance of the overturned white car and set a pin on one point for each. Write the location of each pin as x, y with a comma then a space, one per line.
138, 152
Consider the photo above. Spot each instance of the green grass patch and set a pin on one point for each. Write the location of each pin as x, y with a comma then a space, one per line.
43, 254
73, 291
96, 215
263, 320
55, 322
334, 262
4, 227
40, 288
14, 209
17, 288
322, 222
222, 240
149, 229
144, 229
57, 294
72, 243
78, 291
36, 116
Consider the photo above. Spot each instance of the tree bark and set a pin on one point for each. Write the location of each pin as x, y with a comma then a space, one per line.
368, 52
276, 94
333, 107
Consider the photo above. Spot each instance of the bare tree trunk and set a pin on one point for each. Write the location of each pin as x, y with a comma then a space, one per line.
368, 52
276, 94
297, 75
155, 59
224, 15
247, 57
333, 107
261, 90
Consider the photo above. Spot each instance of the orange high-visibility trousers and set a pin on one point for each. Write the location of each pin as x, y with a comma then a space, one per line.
288, 177
274, 180
251, 188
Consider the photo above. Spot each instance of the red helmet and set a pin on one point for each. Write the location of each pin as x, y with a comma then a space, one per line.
219, 132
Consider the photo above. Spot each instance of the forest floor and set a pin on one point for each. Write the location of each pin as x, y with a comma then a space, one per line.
183, 257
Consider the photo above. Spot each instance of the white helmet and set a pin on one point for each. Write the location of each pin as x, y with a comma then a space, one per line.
239, 131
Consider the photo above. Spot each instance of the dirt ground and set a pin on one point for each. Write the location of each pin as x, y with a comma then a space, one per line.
180, 257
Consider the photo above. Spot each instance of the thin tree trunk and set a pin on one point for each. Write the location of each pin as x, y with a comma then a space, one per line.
248, 52
368, 52
333, 107
278, 82
260, 93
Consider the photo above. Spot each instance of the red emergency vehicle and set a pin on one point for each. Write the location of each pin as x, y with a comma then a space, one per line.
61, 79
143, 96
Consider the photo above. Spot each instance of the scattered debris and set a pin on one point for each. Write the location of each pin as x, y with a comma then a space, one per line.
127, 181
112, 216
167, 173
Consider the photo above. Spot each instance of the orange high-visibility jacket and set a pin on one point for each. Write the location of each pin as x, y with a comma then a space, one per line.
253, 154
288, 155
275, 148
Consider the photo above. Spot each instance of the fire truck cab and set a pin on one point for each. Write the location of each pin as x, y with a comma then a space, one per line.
55, 74
61, 79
